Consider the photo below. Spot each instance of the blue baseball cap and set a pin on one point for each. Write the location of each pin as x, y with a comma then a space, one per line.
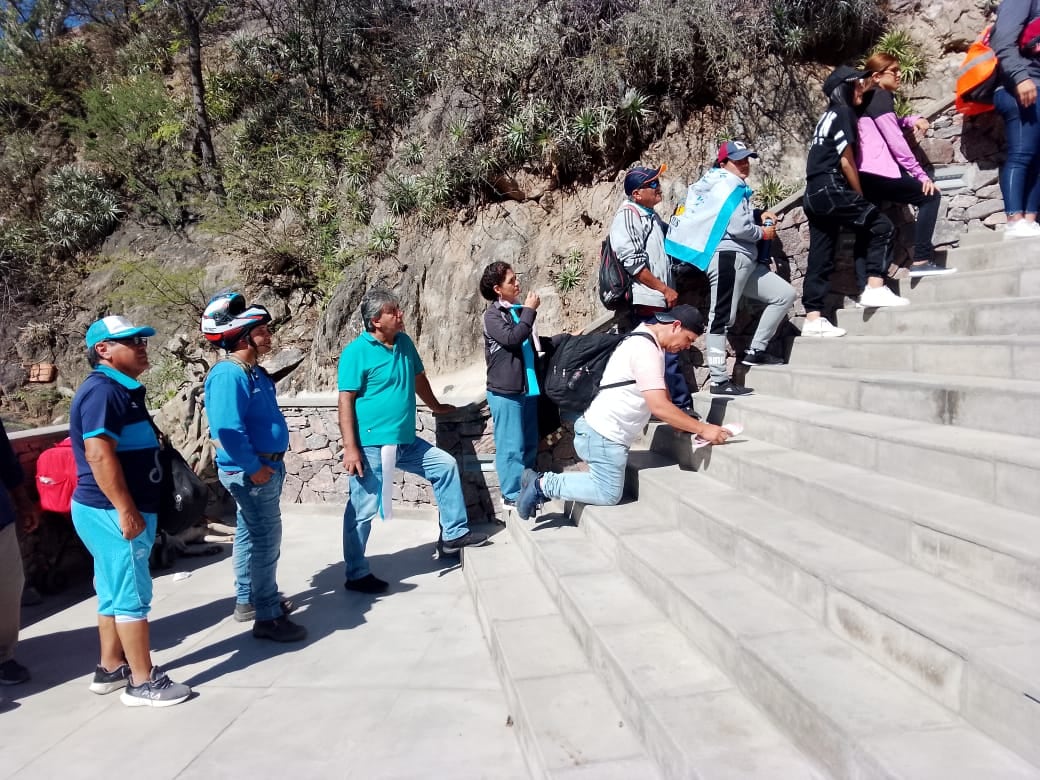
640, 177
735, 150
114, 327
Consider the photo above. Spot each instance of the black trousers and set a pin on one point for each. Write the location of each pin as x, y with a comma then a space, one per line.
907, 189
830, 205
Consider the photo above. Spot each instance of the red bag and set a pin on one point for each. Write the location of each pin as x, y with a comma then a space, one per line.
1029, 42
56, 477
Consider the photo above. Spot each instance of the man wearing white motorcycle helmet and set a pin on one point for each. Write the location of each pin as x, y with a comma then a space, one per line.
252, 437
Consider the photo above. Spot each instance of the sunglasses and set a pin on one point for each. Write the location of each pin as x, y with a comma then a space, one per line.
131, 341
652, 185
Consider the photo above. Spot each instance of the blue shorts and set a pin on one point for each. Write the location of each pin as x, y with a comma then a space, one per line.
121, 576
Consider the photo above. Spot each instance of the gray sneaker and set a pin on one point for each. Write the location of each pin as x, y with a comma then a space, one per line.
110, 682
158, 691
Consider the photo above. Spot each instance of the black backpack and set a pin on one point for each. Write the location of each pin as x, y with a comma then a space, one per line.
183, 496
615, 283
576, 368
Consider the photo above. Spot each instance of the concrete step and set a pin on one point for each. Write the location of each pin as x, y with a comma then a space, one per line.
1010, 282
839, 706
566, 722
1007, 357
992, 551
978, 317
1002, 405
973, 656
692, 719
981, 317
999, 468
993, 254
981, 238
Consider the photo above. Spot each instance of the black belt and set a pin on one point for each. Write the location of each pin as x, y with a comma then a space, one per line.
274, 457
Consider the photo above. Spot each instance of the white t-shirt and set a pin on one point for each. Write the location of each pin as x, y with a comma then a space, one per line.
621, 413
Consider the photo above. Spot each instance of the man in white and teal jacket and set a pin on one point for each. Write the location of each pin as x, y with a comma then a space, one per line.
716, 230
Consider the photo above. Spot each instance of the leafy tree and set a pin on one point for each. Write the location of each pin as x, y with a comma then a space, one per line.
192, 13
136, 132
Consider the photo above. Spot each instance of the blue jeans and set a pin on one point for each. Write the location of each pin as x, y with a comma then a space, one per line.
516, 438
1020, 174
604, 482
258, 539
421, 458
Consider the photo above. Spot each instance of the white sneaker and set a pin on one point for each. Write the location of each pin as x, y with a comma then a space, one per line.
1022, 228
876, 297
821, 328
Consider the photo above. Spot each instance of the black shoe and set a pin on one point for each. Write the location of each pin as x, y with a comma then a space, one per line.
370, 583
280, 630
453, 546
759, 357
13, 673
728, 389
531, 496
246, 613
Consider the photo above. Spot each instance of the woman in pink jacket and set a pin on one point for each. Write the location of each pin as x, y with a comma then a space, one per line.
888, 169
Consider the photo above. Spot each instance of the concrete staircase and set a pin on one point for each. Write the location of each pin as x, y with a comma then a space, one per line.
851, 589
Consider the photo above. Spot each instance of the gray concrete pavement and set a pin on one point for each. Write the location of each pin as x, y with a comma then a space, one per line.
400, 686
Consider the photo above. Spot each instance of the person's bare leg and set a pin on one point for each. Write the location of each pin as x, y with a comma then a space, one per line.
112, 656
134, 637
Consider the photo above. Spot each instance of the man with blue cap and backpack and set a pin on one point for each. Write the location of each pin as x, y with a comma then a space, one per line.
637, 239
631, 389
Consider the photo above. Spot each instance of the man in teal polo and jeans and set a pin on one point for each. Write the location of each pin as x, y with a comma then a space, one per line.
380, 373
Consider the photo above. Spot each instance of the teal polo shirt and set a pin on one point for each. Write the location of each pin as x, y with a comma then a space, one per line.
384, 380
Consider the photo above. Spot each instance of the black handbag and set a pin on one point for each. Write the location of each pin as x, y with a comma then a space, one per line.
183, 496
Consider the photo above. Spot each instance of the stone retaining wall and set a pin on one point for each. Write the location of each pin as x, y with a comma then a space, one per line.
314, 468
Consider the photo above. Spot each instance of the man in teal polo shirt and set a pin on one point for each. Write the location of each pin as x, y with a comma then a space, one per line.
380, 373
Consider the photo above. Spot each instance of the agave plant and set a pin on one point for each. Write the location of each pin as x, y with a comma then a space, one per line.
516, 134
901, 45
634, 107
414, 152
384, 238
79, 210
590, 126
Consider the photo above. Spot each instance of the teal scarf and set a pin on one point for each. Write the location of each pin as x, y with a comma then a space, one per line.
527, 349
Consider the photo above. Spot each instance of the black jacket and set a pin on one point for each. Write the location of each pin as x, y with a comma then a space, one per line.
503, 342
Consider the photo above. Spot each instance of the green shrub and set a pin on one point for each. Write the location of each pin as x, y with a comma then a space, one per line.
173, 295
80, 209
134, 130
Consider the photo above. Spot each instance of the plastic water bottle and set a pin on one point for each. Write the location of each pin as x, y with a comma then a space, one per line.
765, 246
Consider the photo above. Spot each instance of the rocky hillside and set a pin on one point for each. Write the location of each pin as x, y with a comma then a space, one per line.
410, 168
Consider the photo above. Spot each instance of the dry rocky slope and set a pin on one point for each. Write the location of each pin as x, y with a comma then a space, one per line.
851, 589
436, 272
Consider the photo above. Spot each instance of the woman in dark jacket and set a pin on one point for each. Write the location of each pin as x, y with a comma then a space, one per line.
510, 349
1015, 99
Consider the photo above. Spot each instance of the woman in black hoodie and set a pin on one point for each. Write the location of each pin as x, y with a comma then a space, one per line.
511, 349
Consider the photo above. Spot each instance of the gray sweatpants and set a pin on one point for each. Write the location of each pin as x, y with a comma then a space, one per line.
732, 276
